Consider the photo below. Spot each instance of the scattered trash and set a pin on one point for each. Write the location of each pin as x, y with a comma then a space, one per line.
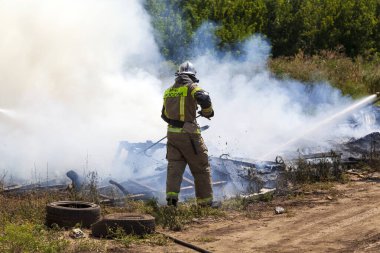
279, 210
263, 192
76, 233
240, 176
195, 220
231, 176
329, 197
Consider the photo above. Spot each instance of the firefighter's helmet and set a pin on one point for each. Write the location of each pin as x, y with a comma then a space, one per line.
187, 68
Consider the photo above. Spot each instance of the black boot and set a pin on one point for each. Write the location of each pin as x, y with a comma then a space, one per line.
172, 202
212, 204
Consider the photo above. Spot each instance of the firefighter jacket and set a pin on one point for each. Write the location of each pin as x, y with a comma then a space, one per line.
181, 101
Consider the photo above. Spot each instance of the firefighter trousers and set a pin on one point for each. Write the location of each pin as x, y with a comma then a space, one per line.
183, 149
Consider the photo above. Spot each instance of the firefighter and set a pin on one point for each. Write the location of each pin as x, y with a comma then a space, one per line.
185, 144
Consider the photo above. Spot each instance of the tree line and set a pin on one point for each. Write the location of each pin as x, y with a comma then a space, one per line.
291, 26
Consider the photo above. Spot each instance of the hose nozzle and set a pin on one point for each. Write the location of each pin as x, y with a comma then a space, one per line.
377, 94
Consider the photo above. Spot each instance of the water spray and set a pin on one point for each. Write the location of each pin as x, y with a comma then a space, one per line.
368, 100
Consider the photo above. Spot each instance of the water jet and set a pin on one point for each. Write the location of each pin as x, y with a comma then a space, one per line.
361, 103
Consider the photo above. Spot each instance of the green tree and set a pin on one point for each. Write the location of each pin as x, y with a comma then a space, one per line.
357, 22
173, 31
290, 25
284, 26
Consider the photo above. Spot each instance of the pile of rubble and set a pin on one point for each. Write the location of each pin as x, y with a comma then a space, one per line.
230, 176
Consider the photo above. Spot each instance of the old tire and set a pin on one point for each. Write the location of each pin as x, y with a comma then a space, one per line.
130, 223
69, 213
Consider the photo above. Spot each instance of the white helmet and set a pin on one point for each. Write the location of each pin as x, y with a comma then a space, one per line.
187, 68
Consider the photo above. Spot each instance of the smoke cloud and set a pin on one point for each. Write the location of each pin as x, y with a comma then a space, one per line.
257, 113
78, 77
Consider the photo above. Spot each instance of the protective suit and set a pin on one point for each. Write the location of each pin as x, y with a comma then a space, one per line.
185, 144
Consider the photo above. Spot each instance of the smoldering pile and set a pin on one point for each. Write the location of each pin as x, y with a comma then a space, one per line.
231, 176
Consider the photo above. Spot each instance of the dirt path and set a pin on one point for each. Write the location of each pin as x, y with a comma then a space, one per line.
348, 221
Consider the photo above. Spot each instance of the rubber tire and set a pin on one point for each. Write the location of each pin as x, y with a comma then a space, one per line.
131, 223
69, 213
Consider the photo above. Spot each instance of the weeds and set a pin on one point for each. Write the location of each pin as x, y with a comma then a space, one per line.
86, 245
206, 239
175, 218
355, 77
240, 203
127, 240
26, 207
157, 239
319, 170
90, 191
28, 237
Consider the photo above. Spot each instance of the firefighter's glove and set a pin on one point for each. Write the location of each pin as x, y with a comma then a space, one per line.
208, 116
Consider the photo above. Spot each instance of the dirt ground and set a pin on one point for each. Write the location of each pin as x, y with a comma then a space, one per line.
345, 218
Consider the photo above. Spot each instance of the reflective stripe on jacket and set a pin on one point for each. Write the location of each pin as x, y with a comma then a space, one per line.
180, 103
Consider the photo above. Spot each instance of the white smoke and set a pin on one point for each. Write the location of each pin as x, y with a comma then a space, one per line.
82, 75
256, 113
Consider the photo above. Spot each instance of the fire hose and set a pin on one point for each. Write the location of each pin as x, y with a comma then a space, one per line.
185, 244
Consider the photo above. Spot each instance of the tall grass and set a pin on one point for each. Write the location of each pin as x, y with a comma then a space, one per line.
324, 169
356, 77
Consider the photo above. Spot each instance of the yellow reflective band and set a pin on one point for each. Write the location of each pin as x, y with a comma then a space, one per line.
204, 200
180, 130
182, 109
195, 90
172, 194
176, 92
207, 110
175, 129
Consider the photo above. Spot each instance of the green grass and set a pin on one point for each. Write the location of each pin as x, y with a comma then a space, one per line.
29, 237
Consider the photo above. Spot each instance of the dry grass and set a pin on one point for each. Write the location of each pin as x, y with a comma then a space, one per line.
22, 217
356, 77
